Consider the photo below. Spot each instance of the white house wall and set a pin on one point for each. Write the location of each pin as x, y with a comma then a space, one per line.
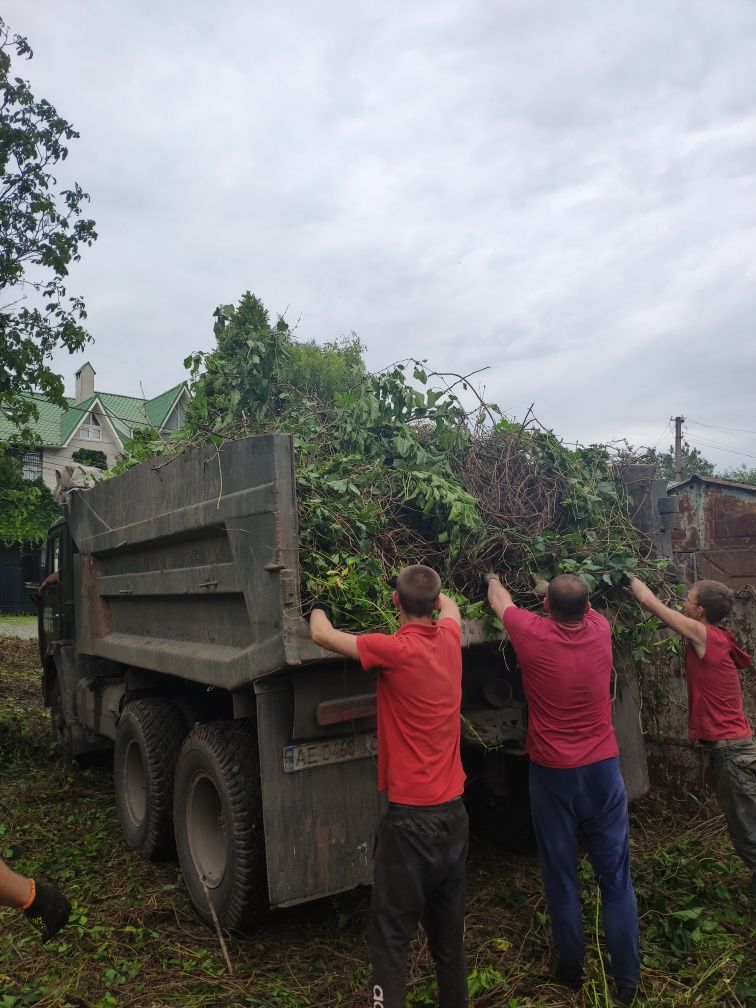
177, 415
54, 458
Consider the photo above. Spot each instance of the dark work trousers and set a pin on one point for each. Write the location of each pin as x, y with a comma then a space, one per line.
734, 770
588, 802
419, 876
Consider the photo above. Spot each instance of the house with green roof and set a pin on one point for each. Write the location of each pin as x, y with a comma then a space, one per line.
92, 420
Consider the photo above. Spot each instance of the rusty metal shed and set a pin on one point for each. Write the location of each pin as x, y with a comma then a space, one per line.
717, 534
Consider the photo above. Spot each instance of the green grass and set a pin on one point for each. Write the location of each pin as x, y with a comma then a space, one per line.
7, 619
134, 941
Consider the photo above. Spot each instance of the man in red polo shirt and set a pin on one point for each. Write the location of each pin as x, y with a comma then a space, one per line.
576, 789
421, 846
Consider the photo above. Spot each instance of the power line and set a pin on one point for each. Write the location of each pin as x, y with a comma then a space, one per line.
718, 447
725, 430
669, 422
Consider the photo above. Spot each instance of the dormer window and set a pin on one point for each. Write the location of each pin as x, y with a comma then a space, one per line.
90, 430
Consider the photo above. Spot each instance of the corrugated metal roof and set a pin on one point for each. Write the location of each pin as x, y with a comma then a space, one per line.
711, 481
159, 408
46, 426
55, 426
73, 417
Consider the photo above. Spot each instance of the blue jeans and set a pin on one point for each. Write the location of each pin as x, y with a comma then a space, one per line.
587, 802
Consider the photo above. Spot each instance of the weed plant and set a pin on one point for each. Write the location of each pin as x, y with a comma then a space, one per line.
134, 941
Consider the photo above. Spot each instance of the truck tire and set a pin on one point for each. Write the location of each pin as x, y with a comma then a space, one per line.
148, 740
218, 823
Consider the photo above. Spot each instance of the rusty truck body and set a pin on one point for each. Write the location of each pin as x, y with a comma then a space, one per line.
175, 636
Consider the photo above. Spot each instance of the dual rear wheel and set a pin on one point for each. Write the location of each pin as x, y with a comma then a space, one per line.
218, 824
148, 740
196, 792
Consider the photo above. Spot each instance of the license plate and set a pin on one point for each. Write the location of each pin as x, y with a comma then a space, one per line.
325, 751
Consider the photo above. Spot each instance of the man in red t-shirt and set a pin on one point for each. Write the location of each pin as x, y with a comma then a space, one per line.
576, 789
715, 703
421, 846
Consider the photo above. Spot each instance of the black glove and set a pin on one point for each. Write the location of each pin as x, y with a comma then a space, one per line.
50, 907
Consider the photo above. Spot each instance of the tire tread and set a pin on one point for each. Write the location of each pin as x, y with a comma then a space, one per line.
163, 728
232, 748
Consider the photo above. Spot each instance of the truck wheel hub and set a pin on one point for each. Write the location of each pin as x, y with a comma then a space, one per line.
136, 784
206, 829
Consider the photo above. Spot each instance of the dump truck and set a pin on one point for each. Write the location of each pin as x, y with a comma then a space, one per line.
173, 635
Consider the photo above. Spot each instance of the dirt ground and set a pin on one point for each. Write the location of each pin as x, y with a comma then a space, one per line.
135, 941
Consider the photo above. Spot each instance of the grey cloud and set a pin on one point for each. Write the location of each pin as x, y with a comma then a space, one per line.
564, 192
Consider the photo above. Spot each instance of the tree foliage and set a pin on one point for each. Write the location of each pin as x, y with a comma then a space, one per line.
692, 462
391, 469
42, 230
91, 457
257, 367
741, 474
27, 509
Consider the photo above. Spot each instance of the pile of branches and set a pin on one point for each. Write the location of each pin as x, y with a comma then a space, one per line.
514, 500
393, 469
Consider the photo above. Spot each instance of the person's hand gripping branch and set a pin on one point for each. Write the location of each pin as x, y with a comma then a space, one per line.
499, 597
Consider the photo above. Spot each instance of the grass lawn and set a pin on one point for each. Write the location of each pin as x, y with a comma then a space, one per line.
134, 940
6, 619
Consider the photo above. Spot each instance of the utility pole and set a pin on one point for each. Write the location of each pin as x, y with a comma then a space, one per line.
679, 421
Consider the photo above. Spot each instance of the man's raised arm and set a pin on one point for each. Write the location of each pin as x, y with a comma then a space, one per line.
499, 598
448, 609
325, 635
689, 628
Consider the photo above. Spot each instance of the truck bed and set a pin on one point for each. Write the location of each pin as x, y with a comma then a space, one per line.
195, 572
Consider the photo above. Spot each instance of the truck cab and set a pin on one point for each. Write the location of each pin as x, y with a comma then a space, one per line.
57, 610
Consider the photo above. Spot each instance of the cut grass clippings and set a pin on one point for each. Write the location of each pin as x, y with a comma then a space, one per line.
134, 941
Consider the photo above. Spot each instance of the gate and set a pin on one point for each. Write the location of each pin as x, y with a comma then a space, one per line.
18, 564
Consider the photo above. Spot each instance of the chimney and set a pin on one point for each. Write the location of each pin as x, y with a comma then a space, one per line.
84, 382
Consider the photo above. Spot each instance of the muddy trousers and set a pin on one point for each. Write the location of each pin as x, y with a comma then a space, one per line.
588, 803
419, 876
734, 770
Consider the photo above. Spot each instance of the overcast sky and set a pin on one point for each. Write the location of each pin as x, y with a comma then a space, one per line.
564, 192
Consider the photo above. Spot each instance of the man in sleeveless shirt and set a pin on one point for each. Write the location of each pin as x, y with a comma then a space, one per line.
715, 703
576, 789
421, 845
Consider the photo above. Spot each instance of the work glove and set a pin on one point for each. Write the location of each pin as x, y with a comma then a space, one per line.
540, 586
489, 576
50, 909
